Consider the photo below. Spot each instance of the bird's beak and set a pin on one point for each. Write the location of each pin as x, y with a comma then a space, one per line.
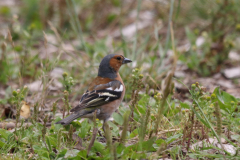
126, 60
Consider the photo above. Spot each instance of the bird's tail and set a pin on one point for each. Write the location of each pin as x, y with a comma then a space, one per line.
69, 119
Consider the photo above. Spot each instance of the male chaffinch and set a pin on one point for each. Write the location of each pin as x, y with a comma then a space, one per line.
104, 94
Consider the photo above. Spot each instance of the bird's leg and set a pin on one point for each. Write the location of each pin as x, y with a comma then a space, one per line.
105, 126
99, 132
102, 136
108, 134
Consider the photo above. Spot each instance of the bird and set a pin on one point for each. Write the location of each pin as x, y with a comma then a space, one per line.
104, 94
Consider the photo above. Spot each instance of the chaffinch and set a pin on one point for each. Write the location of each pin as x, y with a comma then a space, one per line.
104, 94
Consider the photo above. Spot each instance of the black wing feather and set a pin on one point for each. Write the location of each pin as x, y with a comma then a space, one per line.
95, 98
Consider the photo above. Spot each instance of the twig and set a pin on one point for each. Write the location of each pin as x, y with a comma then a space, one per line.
167, 131
94, 134
108, 136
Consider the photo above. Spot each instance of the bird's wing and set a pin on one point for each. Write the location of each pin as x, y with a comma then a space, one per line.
100, 95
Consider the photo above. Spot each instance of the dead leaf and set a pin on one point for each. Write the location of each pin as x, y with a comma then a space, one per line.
25, 110
78, 142
227, 147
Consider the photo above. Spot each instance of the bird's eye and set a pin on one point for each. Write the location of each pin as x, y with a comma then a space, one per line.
118, 58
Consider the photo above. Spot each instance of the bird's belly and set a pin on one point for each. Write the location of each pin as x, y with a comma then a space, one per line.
107, 110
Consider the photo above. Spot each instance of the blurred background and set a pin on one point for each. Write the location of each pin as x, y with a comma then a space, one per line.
42, 39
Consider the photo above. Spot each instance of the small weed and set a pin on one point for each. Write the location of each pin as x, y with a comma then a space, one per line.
16, 99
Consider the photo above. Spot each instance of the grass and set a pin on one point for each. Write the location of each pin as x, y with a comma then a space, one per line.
151, 123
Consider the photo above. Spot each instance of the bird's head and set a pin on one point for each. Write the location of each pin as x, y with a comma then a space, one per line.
111, 64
